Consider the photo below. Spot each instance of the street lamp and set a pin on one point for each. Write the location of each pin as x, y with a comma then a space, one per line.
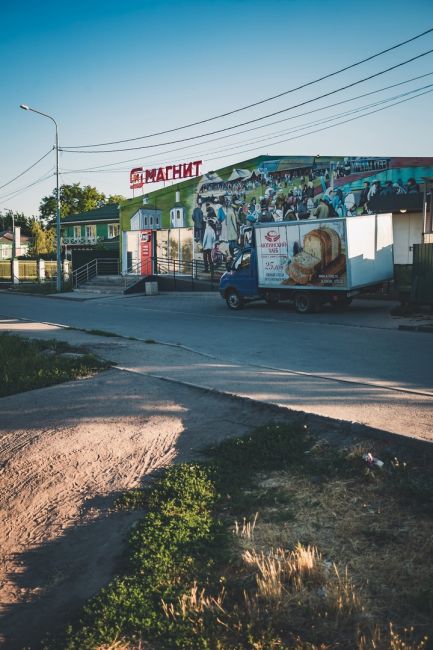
59, 260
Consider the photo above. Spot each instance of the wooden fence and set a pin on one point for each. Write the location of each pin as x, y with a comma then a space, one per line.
5, 270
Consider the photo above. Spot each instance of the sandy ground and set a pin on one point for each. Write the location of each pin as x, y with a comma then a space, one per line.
88, 440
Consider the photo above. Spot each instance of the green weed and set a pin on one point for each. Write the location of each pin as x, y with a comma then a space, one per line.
28, 364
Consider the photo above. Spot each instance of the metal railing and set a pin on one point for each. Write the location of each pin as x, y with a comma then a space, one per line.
181, 273
191, 273
98, 266
83, 240
133, 274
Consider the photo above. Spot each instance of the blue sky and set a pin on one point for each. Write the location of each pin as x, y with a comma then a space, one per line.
112, 70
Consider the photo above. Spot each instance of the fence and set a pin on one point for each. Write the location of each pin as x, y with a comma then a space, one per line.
17, 271
5, 271
50, 270
28, 270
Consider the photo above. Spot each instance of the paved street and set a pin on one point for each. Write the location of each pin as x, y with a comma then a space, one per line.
353, 365
361, 343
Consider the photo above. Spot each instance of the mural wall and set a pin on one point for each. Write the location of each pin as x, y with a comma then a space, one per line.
220, 207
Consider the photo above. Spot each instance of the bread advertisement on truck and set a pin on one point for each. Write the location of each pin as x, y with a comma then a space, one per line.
300, 254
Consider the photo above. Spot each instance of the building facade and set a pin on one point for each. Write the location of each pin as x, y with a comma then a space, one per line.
275, 188
95, 229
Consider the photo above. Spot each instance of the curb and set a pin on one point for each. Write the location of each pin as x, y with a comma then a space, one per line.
427, 329
341, 427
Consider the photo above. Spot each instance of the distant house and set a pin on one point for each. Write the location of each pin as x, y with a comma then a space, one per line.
93, 229
22, 243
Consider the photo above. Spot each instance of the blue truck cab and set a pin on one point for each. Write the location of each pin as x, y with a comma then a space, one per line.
240, 282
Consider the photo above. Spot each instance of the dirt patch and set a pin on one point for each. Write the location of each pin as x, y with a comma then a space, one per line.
65, 454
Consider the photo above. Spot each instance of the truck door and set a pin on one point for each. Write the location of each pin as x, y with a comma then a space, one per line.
245, 275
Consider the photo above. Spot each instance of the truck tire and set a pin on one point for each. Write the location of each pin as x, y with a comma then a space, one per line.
304, 303
234, 300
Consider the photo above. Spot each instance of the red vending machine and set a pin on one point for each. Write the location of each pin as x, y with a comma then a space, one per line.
146, 252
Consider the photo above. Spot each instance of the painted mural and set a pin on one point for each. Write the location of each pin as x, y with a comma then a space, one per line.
210, 217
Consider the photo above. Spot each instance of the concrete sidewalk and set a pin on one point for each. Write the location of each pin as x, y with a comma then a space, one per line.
386, 407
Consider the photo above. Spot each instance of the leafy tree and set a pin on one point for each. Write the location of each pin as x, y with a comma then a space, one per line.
73, 200
8, 217
44, 240
115, 198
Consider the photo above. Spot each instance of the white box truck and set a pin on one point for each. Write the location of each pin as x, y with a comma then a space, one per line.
311, 262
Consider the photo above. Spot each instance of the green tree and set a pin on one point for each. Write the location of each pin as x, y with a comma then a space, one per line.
8, 217
115, 198
44, 240
73, 200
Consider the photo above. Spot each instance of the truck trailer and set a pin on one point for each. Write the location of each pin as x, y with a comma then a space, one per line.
311, 262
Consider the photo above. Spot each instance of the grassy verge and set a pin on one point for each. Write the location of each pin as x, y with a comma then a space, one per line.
42, 288
27, 364
279, 541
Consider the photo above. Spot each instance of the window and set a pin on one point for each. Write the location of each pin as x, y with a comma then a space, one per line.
113, 230
77, 232
90, 231
242, 262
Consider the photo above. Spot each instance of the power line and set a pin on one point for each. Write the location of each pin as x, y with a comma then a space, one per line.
331, 118
258, 119
262, 101
187, 184
101, 168
262, 126
26, 170
193, 182
331, 126
325, 128
21, 190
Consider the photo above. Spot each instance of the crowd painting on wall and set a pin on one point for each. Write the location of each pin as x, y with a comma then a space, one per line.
220, 207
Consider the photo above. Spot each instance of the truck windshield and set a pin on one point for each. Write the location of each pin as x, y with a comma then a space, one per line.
242, 262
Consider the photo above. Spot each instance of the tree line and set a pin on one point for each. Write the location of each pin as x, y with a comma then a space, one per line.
74, 199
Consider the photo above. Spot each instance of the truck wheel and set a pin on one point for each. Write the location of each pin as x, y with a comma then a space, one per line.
233, 300
304, 303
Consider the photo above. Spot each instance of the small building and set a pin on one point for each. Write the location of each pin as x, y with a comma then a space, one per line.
95, 228
22, 243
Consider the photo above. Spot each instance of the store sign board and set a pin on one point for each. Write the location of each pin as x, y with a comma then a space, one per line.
139, 176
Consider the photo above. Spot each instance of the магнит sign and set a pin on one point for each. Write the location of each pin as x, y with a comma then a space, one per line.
139, 176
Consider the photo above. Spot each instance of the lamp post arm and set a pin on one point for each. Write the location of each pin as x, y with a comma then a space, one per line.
44, 114
58, 231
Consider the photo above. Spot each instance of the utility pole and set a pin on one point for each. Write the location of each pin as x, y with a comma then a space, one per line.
58, 241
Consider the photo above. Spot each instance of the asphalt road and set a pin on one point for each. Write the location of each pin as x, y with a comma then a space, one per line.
360, 344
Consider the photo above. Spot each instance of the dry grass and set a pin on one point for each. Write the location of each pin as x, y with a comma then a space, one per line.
279, 571
351, 555
125, 645
388, 549
246, 529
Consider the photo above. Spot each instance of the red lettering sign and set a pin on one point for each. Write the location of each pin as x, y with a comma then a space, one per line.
140, 176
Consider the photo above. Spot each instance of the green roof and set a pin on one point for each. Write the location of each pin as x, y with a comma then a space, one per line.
107, 212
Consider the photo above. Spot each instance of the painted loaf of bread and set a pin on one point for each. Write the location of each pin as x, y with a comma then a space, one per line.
303, 268
324, 244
